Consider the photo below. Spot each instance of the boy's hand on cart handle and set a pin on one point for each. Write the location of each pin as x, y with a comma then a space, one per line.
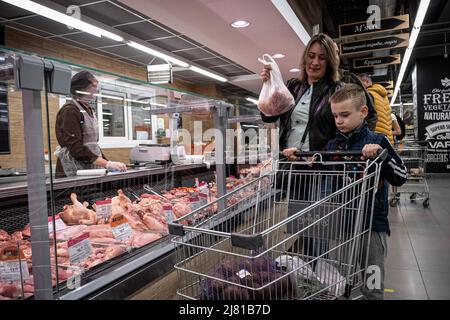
289, 153
370, 151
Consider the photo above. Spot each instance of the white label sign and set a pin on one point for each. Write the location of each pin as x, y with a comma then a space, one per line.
243, 273
59, 224
120, 227
10, 271
103, 209
194, 202
168, 213
79, 248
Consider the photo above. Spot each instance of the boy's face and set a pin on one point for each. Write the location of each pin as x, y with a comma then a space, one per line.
347, 116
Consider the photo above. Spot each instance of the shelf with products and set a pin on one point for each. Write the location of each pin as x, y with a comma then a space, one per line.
81, 256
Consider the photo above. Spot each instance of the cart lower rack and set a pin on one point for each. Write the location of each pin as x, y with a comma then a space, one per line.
298, 232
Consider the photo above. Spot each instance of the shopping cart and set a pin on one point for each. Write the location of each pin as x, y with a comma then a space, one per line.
414, 155
300, 231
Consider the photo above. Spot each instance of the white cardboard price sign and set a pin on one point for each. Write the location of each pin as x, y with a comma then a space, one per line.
120, 227
79, 248
103, 209
10, 271
168, 213
59, 224
194, 202
203, 198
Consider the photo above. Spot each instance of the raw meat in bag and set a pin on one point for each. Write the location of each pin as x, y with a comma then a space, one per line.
275, 97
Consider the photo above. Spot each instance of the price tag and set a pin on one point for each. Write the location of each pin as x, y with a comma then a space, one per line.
120, 227
79, 248
243, 273
59, 224
194, 202
12, 260
203, 198
103, 209
168, 213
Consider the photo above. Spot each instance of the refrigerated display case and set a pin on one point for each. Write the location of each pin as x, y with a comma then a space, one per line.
98, 237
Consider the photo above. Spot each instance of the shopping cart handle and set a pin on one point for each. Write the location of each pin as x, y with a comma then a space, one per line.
355, 153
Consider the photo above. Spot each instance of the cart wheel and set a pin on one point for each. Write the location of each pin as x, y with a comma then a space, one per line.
413, 196
426, 203
393, 202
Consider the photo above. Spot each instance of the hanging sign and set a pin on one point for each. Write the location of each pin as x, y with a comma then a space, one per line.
364, 27
433, 111
376, 61
361, 46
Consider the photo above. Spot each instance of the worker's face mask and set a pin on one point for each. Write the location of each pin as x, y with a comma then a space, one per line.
88, 95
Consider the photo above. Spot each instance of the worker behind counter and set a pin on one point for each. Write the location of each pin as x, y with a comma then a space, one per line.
77, 131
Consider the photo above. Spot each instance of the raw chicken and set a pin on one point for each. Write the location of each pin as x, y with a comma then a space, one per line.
113, 251
17, 236
4, 236
139, 239
135, 221
181, 209
153, 224
26, 232
121, 200
100, 231
78, 213
9, 290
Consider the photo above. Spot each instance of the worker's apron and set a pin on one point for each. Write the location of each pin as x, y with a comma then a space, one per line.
90, 139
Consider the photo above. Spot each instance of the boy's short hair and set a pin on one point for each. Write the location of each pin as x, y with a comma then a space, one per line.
352, 92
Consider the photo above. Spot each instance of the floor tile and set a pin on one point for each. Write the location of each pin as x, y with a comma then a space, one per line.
401, 259
407, 284
433, 260
428, 242
437, 285
399, 241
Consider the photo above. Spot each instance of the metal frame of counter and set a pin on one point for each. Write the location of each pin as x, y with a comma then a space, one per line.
19, 189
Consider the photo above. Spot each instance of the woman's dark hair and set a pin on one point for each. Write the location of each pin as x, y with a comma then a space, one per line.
81, 81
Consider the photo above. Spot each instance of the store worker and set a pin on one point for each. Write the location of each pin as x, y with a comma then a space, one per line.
77, 131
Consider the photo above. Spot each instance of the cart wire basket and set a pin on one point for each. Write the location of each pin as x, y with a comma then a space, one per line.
414, 156
299, 231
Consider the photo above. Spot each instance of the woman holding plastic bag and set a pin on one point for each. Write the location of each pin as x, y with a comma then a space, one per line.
307, 124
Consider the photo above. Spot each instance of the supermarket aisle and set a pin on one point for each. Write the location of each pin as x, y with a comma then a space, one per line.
418, 262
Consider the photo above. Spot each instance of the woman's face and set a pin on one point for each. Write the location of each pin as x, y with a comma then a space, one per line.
316, 62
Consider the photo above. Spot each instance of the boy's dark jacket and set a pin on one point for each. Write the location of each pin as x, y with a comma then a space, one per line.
393, 170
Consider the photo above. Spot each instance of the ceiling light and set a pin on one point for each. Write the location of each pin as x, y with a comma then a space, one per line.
252, 100
157, 54
208, 74
423, 7
278, 56
289, 15
108, 97
63, 18
294, 70
240, 24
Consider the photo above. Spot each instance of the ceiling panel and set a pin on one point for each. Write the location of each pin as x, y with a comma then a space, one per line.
194, 54
108, 14
72, 43
26, 29
211, 62
171, 44
46, 25
11, 12
229, 69
122, 50
144, 30
67, 3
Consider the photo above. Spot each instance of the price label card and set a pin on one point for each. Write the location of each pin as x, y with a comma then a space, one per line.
79, 248
120, 227
59, 224
194, 201
168, 213
103, 209
13, 266
203, 198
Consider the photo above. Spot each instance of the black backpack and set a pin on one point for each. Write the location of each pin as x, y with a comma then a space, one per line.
402, 127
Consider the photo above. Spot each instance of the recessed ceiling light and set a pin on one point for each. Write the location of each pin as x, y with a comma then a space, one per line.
240, 24
294, 70
278, 56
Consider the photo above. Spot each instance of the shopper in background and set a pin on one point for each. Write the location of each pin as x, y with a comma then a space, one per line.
396, 130
310, 124
349, 110
350, 77
381, 104
77, 130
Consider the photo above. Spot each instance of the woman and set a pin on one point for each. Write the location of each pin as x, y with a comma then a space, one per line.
77, 131
309, 125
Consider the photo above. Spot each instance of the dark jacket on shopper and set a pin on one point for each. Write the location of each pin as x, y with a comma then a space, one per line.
350, 77
322, 127
393, 171
69, 133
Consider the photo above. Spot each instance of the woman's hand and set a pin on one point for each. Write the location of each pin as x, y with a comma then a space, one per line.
114, 165
289, 153
265, 73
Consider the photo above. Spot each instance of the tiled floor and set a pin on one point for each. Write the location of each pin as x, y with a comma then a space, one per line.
418, 262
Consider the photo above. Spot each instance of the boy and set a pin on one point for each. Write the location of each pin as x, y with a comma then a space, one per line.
349, 108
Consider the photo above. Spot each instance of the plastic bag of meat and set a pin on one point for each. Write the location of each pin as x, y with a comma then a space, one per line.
275, 97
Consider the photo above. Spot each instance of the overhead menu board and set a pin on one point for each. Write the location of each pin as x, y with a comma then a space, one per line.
361, 46
374, 26
376, 61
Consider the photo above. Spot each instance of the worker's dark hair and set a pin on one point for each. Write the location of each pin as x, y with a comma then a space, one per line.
81, 81
352, 92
